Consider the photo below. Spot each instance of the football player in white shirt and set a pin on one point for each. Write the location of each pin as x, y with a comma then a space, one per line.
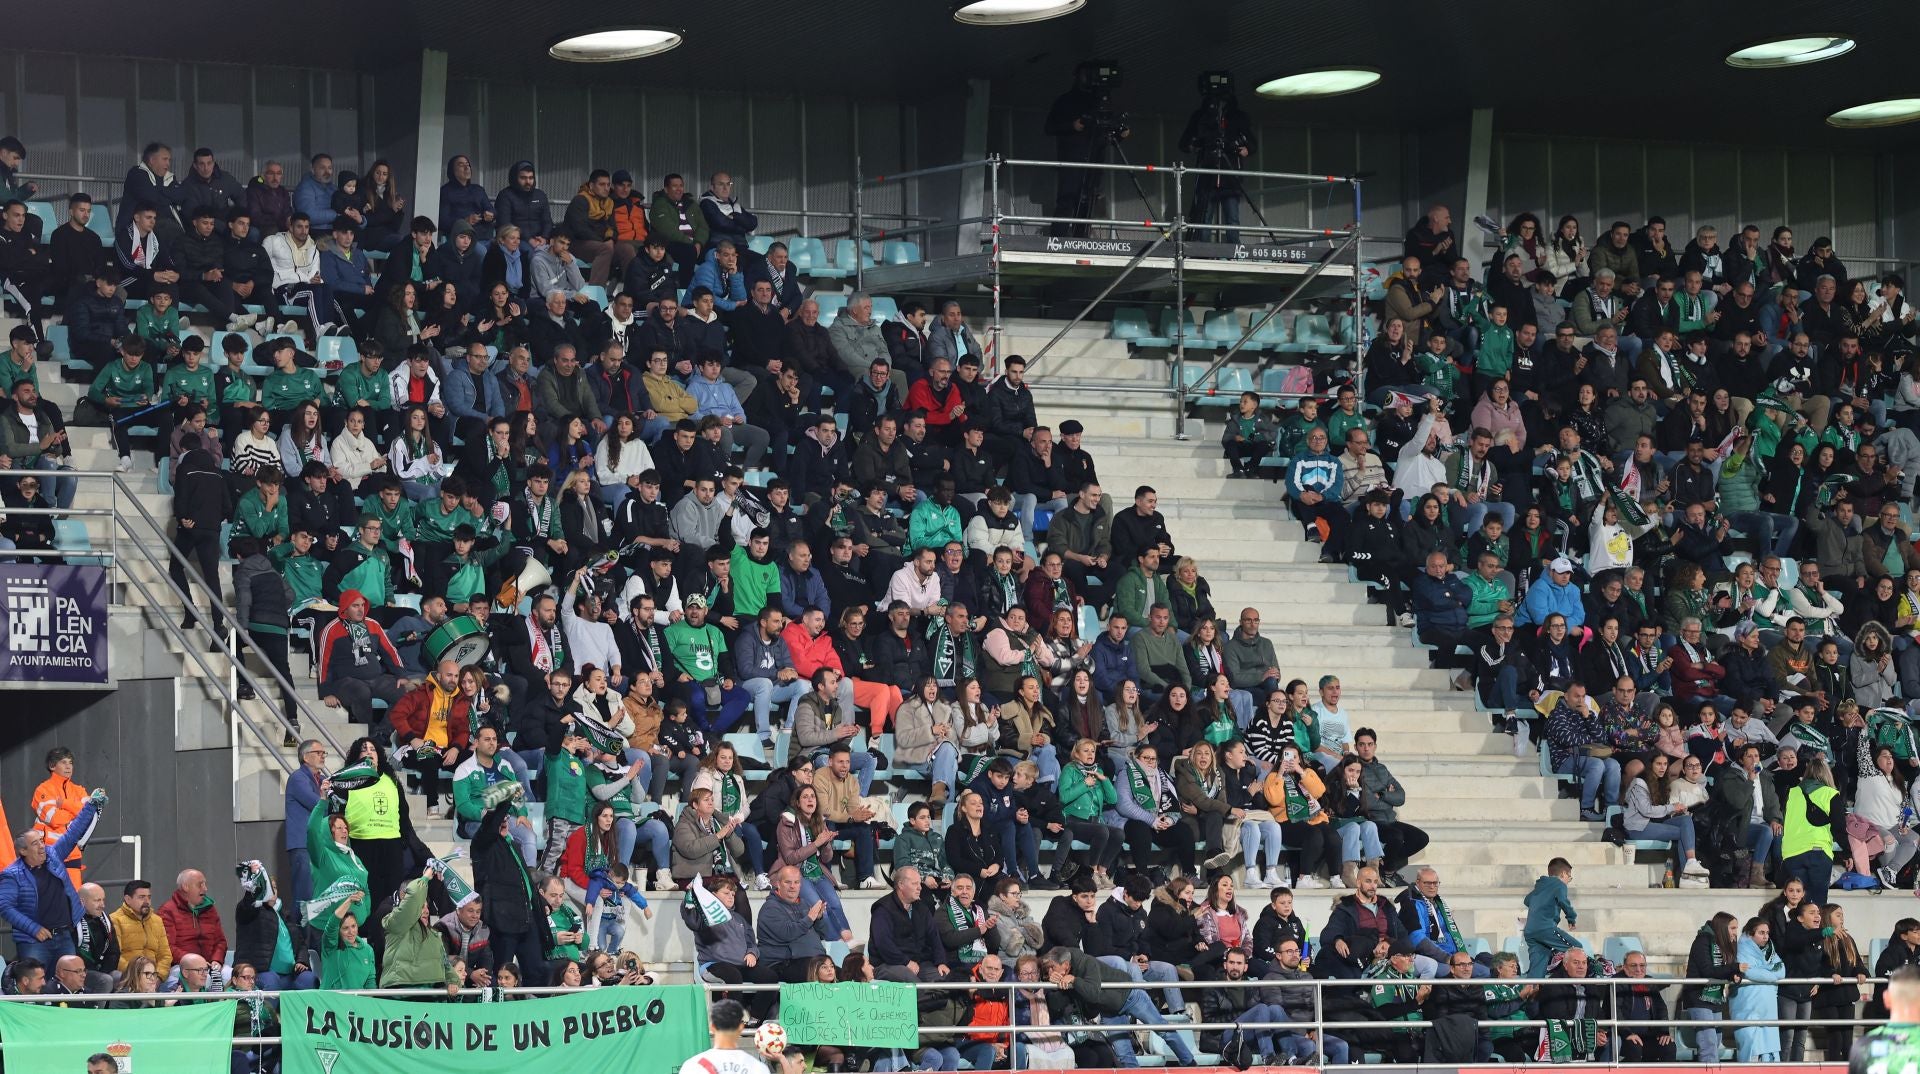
724, 1020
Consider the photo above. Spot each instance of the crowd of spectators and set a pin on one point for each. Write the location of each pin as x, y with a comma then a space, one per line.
776, 527
1654, 504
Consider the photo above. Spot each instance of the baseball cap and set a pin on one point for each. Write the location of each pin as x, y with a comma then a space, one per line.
1561, 565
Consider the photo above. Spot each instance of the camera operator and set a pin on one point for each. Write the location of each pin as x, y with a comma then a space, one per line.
1083, 125
1219, 136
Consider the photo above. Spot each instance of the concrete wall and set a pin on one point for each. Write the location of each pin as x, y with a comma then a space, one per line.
178, 801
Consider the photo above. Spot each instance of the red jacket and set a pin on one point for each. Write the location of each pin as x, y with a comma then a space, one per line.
410, 714
190, 933
1686, 674
808, 652
939, 411
573, 859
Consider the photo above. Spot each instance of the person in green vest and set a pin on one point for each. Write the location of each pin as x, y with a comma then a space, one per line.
362, 566
935, 521
190, 382
1814, 818
756, 577
158, 322
364, 385
289, 385
346, 959
123, 389
262, 512
1141, 587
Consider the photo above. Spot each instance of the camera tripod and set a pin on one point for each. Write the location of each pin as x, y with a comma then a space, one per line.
1088, 197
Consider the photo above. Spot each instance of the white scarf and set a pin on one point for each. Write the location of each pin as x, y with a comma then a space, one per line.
162, 181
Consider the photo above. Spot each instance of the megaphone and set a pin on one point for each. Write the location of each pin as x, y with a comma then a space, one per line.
532, 577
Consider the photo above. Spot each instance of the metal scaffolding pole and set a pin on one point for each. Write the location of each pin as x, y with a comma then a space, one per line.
1179, 230
994, 338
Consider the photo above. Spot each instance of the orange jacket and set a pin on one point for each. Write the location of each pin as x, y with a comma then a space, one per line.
630, 219
808, 652
55, 803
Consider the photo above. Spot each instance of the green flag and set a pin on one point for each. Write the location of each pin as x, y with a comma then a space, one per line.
194, 1036
602, 1029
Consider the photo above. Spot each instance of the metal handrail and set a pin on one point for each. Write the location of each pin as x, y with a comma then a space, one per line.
1318, 1024
230, 626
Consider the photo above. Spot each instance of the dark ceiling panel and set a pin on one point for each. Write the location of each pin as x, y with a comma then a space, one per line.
1649, 68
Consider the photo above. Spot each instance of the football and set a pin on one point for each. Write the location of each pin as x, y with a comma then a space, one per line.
770, 1038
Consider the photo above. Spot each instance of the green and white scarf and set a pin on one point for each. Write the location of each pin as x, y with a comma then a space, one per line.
810, 869
1144, 792
730, 792
1568, 1041
1437, 911
1714, 993
953, 656
959, 918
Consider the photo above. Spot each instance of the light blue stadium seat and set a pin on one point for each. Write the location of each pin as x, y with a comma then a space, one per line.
1090, 625
1223, 327
48, 221
101, 223
70, 535
1232, 380
1177, 323
57, 336
1193, 377
901, 252
1273, 334
884, 308
1617, 948
843, 256
816, 263
760, 244
830, 307
597, 293
1311, 331
164, 482
1129, 323
336, 352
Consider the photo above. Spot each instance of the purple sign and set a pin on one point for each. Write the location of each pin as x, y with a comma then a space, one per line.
56, 625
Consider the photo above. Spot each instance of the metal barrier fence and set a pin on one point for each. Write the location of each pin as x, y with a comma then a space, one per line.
1678, 1026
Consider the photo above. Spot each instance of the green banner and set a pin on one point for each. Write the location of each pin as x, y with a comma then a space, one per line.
598, 1029
196, 1036
869, 1014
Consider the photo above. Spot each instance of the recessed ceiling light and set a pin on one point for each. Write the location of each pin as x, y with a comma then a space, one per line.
1012, 12
1326, 82
612, 46
1791, 51
1877, 114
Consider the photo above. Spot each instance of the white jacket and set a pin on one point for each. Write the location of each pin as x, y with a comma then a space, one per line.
635, 460
292, 264
354, 456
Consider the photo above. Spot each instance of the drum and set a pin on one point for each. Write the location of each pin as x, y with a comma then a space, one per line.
460, 639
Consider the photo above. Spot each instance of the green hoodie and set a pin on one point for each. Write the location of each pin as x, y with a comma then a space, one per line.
1134, 593
567, 788
195, 385
302, 573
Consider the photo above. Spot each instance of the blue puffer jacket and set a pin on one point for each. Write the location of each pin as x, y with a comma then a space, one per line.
19, 889
1544, 598
725, 295
1113, 664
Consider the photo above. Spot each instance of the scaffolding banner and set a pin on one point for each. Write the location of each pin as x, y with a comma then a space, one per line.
56, 626
1303, 250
